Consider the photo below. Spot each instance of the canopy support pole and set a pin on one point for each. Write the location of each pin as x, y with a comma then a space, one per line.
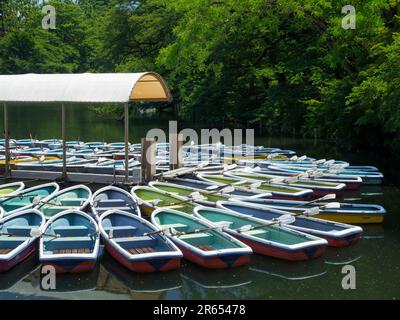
126, 142
63, 129
7, 142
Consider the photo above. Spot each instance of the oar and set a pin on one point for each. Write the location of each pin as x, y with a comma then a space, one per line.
192, 197
316, 210
284, 219
36, 233
220, 187
330, 196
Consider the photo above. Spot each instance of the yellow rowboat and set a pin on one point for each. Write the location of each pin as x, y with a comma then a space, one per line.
349, 213
29, 160
10, 189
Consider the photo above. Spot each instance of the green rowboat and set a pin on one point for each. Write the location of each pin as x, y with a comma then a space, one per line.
150, 199
72, 198
265, 237
207, 198
26, 198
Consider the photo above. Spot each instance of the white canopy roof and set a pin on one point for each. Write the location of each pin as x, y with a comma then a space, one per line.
85, 87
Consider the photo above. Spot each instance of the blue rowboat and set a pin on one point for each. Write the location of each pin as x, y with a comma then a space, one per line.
16, 241
351, 213
115, 146
337, 234
319, 188
113, 198
28, 198
368, 177
200, 241
26, 142
275, 240
277, 191
96, 144
137, 244
72, 198
351, 182
70, 242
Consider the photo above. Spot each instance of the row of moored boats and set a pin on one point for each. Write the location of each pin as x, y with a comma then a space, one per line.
215, 215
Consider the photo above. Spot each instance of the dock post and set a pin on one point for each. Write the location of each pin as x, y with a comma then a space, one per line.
148, 159
175, 151
7, 143
126, 109
64, 141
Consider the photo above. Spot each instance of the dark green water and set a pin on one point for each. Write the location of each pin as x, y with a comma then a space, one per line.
376, 257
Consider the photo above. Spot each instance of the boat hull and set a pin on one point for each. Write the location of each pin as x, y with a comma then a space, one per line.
290, 255
24, 254
144, 266
352, 218
215, 262
71, 266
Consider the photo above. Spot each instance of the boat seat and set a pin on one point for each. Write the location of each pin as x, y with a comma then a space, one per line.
140, 250
255, 232
205, 247
51, 211
24, 231
6, 250
110, 203
176, 226
71, 231
195, 235
72, 201
121, 231
71, 251
69, 243
137, 242
125, 208
11, 242
197, 239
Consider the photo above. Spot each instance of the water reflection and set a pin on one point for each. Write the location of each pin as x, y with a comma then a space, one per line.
294, 271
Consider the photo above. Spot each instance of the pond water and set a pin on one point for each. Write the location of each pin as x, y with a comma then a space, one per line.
376, 257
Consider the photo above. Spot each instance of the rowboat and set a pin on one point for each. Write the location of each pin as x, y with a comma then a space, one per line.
207, 198
351, 213
320, 189
200, 241
16, 239
276, 241
137, 244
26, 142
368, 177
70, 242
337, 234
203, 185
351, 182
150, 199
277, 191
76, 197
10, 189
28, 198
113, 198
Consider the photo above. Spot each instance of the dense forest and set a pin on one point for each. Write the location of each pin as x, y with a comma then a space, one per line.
283, 65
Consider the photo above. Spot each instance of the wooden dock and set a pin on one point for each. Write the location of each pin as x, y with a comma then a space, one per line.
75, 177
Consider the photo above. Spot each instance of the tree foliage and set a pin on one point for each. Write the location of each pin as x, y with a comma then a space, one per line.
287, 64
